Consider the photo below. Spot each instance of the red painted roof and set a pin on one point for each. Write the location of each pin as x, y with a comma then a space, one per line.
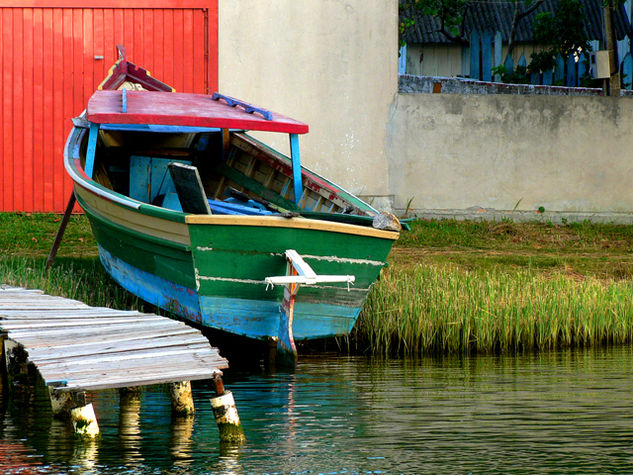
173, 108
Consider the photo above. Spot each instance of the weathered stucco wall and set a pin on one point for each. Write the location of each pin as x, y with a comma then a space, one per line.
332, 64
329, 63
449, 151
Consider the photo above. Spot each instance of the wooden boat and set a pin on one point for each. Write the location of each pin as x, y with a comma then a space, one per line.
194, 215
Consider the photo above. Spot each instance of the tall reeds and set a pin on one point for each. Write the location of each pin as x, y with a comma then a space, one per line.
429, 309
76, 278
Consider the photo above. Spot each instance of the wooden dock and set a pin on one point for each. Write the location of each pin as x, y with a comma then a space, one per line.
76, 347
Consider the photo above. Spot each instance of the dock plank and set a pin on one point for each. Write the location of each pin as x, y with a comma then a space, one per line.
78, 347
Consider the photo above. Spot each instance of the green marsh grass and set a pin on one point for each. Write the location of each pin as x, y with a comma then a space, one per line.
81, 279
431, 309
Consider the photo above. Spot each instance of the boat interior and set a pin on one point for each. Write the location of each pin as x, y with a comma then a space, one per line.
215, 172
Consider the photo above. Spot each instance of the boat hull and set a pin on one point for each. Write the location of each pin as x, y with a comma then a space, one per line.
211, 269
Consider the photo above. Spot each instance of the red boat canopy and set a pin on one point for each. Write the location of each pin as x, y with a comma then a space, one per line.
188, 110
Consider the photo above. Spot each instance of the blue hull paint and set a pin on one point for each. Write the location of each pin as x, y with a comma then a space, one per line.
251, 318
155, 290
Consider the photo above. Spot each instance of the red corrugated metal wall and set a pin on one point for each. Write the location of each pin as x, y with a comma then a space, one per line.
52, 61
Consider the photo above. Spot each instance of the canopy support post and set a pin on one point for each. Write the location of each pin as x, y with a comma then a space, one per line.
296, 167
92, 149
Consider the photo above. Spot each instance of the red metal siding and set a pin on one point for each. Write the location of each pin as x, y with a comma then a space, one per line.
49, 71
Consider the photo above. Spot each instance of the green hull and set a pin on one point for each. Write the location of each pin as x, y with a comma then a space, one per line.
217, 279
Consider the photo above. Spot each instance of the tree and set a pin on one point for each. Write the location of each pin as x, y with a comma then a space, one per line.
562, 32
452, 14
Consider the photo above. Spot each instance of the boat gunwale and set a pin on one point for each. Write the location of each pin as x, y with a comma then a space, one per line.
79, 177
292, 222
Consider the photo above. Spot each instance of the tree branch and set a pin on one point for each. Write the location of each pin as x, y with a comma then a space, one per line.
518, 16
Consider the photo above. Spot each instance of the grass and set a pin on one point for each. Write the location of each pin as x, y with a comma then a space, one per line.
429, 309
77, 278
25, 241
459, 287
451, 287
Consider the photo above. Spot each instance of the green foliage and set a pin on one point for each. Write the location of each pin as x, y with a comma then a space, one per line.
518, 76
451, 14
562, 32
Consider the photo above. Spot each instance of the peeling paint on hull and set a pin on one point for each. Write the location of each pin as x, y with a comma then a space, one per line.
251, 318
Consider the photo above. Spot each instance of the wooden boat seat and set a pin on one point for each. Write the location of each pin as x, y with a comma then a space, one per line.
190, 196
171, 201
189, 188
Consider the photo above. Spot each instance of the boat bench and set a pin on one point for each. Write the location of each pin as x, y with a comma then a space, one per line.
190, 193
228, 206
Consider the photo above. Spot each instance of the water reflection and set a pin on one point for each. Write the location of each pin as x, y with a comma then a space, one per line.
130, 426
564, 411
180, 444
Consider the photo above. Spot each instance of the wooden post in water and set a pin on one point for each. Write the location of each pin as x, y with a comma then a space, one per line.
225, 413
72, 405
62, 402
3, 364
181, 398
85, 421
130, 423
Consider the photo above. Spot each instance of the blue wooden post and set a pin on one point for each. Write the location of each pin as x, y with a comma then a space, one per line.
582, 68
296, 167
559, 70
509, 64
402, 59
486, 56
466, 61
535, 78
92, 148
124, 101
498, 53
475, 51
548, 77
572, 80
627, 71
522, 61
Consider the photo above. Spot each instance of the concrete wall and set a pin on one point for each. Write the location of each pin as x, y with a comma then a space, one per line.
333, 64
569, 154
329, 63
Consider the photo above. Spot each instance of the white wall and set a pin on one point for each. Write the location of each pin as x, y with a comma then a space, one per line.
329, 63
570, 154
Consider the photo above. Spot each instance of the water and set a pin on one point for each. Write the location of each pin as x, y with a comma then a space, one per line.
558, 412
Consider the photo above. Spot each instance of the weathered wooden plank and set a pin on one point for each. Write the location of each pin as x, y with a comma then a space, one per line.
486, 55
146, 380
120, 354
17, 303
156, 368
208, 366
43, 355
36, 342
56, 323
475, 55
95, 329
72, 313
7, 289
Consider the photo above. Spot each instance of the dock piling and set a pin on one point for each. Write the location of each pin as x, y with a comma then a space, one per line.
63, 402
225, 413
181, 398
85, 421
